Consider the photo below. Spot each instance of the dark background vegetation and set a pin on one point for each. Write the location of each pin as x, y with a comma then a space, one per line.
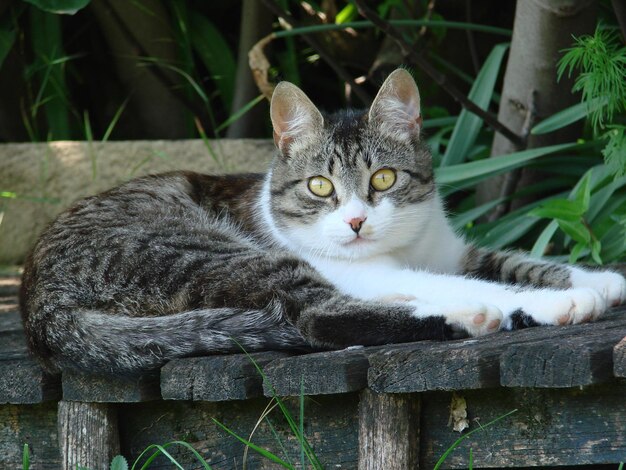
175, 69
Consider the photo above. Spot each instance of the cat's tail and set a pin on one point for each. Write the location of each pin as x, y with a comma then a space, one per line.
111, 343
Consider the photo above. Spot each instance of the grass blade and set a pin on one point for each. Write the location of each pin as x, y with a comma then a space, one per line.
240, 112
215, 54
466, 436
25, 458
265, 453
468, 125
113, 123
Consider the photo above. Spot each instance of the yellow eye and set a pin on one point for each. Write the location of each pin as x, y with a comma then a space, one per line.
383, 179
321, 186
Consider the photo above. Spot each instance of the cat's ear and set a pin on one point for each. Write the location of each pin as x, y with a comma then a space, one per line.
396, 108
294, 117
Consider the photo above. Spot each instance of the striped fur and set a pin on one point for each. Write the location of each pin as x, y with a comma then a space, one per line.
183, 264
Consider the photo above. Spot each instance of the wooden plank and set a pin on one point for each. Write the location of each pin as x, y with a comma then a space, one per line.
619, 358
23, 381
78, 386
567, 362
475, 363
388, 431
319, 373
330, 425
35, 425
215, 378
552, 427
88, 434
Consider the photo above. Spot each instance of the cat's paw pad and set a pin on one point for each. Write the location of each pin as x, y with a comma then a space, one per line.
474, 318
611, 285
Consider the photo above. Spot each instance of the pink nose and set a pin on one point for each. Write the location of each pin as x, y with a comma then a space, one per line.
356, 223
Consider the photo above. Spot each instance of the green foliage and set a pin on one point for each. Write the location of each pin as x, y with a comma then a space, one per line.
67, 7
601, 61
25, 458
118, 463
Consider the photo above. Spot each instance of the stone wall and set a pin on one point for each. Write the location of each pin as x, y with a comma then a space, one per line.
47, 177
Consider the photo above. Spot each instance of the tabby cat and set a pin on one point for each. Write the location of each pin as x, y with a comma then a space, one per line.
343, 242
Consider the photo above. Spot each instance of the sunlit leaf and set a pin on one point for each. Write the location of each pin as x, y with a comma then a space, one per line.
568, 116
66, 7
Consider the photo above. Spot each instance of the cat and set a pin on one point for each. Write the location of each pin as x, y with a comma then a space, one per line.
343, 242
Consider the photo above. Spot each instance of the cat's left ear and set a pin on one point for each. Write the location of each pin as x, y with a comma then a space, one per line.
396, 108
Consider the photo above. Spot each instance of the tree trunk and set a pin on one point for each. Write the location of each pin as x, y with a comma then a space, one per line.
541, 30
256, 22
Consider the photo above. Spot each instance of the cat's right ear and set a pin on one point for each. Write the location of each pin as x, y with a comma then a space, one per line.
294, 117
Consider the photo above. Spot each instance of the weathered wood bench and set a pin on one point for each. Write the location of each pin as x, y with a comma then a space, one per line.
368, 408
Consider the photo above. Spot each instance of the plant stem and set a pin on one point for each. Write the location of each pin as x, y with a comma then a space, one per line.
437, 76
339, 70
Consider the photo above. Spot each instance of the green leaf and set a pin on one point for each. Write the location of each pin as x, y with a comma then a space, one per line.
119, 463
47, 40
492, 166
582, 195
562, 209
576, 252
25, 458
576, 230
215, 54
64, 7
568, 116
596, 247
468, 125
539, 248
504, 234
8, 33
461, 220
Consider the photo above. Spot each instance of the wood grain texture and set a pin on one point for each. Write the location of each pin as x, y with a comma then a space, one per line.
88, 434
551, 427
215, 378
319, 373
23, 381
619, 359
78, 386
330, 425
584, 357
35, 425
569, 362
388, 431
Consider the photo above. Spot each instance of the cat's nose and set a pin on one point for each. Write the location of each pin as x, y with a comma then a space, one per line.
356, 223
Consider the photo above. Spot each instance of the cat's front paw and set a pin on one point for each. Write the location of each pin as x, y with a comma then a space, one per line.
563, 307
612, 286
468, 317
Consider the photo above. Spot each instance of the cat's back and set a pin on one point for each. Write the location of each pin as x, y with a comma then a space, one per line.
96, 243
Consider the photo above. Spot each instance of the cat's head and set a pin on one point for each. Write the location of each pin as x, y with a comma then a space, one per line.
353, 184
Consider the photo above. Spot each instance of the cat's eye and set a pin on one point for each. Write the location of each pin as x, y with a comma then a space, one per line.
321, 186
383, 179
